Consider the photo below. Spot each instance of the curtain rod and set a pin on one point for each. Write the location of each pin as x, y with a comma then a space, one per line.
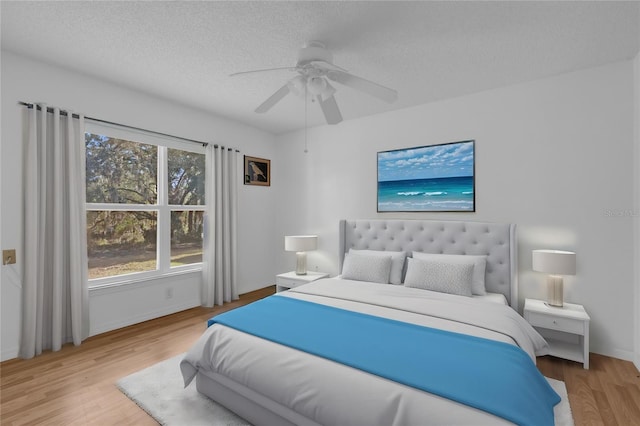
49, 109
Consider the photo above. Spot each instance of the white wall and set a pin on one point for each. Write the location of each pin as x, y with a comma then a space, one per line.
636, 216
554, 156
27, 80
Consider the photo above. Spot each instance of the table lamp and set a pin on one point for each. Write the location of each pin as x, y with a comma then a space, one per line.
301, 244
555, 263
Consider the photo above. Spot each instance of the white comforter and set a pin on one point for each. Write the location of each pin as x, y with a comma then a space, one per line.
330, 393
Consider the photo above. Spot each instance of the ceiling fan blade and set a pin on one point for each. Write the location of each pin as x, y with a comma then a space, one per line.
330, 109
274, 99
263, 70
326, 66
359, 83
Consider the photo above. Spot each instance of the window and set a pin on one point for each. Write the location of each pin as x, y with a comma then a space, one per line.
145, 204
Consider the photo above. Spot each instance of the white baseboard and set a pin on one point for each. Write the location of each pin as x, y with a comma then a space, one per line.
636, 362
11, 353
146, 316
616, 353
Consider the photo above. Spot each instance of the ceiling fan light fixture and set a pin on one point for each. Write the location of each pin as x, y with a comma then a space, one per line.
297, 85
328, 91
316, 85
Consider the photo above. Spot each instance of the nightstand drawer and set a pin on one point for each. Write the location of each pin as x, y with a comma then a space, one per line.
287, 282
568, 325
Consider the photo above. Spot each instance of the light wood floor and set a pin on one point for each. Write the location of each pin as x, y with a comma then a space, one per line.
76, 386
606, 394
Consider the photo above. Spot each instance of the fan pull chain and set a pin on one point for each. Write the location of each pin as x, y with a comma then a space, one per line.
305, 119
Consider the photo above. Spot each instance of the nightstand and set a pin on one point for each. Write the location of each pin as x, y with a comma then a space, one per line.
291, 279
566, 329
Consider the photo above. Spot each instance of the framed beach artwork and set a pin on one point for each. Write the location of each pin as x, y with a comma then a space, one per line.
434, 178
257, 171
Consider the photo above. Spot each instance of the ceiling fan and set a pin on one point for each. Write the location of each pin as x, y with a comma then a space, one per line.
315, 69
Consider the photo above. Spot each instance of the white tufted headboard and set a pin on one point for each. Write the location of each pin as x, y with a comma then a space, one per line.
495, 240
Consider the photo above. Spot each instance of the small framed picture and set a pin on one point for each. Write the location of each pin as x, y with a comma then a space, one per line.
257, 171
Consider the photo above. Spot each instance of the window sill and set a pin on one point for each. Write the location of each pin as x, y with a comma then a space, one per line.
141, 281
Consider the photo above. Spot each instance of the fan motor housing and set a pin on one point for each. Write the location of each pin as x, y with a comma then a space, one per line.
314, 51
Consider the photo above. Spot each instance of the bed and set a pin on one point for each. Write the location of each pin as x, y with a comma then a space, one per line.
294, 379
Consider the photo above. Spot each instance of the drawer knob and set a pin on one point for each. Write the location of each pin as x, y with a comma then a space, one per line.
554, 321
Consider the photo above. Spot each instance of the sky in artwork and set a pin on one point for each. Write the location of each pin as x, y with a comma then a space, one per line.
428, 162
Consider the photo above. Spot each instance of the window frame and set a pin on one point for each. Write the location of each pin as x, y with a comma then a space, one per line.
163, 209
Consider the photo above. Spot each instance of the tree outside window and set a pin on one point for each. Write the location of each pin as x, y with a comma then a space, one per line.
145, 206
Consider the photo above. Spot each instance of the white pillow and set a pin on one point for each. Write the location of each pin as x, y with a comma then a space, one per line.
397, 262
362, 267
452, 278
479, 266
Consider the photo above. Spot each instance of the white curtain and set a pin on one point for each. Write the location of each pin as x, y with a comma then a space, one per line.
219, 271
55, 297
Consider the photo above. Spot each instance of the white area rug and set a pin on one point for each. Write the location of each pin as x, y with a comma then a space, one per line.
159, 391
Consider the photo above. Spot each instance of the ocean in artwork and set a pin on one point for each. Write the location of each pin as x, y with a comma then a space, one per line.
435, 194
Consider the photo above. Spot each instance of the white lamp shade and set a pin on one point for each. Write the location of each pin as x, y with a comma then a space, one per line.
554, 262
300, 242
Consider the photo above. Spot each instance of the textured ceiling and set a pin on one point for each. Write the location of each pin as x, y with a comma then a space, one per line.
185, 51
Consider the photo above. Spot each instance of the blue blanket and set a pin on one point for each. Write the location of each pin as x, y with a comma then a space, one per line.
492, 376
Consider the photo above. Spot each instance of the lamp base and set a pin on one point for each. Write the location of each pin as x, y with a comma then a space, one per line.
555, 291
301, 263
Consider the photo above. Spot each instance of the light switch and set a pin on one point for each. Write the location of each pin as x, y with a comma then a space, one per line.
8, 257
